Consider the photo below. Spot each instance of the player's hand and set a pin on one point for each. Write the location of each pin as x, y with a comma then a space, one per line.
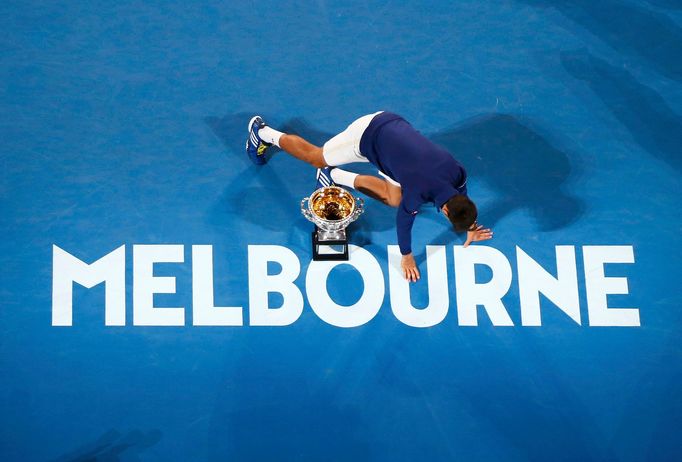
409, 267
478, 234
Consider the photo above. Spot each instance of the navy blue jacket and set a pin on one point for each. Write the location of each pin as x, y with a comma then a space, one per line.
426, 172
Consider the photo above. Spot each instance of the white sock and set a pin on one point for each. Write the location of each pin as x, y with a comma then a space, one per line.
270, 135
343, 177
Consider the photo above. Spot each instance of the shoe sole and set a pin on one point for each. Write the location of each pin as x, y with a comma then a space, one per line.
261, 159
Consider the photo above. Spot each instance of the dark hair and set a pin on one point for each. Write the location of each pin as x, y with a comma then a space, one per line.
462, 212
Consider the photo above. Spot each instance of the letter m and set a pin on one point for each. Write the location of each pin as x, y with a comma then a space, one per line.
67, 269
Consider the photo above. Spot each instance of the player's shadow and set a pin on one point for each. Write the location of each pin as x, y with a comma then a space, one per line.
652, 123
629, 28
522, 168
112, 446
262, 195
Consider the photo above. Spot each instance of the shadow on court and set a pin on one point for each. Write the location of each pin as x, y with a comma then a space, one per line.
630, 29
112, 446
651, 122
262, 195
520, 165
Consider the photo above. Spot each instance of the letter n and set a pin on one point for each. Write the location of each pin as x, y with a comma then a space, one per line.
535, 280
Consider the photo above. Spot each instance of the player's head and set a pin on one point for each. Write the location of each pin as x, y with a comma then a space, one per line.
461, 212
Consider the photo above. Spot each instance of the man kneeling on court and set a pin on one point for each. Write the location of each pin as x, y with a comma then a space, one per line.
415, 171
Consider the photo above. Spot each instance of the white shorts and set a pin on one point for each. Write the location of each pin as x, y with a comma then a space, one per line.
344, 148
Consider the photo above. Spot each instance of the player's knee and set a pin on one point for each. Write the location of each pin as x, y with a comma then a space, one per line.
393, 201
394, 195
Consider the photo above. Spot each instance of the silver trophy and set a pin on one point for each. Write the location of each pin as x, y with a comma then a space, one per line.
331, 209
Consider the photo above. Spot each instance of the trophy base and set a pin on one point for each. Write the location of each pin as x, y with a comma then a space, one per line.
330, 246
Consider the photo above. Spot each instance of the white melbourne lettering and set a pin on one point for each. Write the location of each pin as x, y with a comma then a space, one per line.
472, 297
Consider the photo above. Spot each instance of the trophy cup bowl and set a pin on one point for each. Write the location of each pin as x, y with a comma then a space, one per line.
331, 209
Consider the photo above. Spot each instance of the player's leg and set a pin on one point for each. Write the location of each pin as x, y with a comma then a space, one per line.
342, 149
302, 150
261, 136
379, 189
375, 187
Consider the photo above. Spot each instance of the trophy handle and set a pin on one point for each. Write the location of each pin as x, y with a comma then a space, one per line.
304, 209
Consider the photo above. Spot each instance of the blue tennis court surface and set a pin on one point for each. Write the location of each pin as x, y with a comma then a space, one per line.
122, 145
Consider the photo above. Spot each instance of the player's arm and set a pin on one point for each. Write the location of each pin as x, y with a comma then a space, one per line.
404, 222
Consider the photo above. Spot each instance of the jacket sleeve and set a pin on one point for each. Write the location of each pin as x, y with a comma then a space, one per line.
404, 222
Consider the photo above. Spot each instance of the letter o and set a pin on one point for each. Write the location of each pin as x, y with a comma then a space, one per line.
364, 309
